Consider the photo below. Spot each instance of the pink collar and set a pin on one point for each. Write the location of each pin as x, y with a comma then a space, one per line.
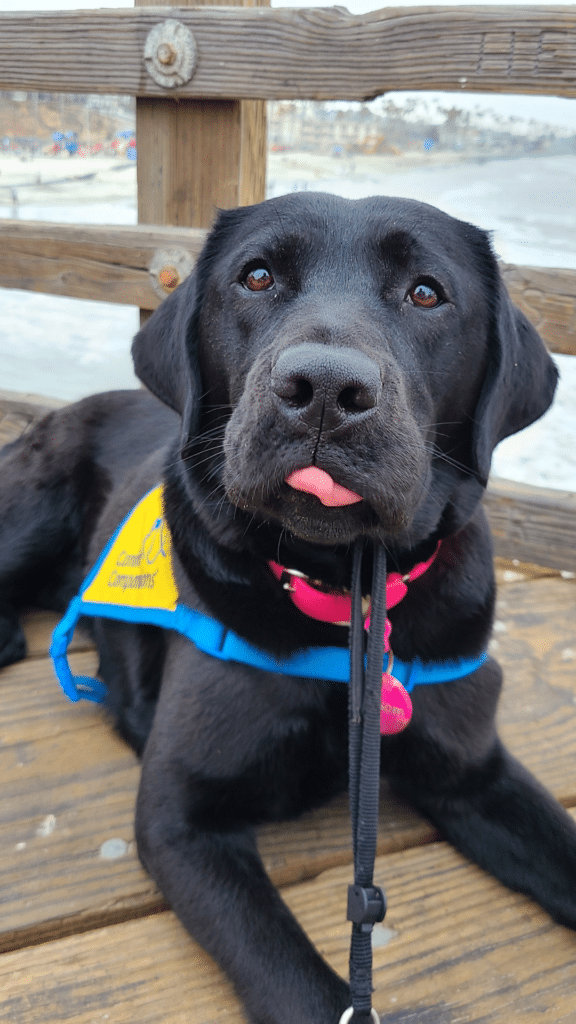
336, 607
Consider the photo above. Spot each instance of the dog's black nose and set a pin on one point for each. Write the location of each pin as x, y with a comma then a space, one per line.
325, 386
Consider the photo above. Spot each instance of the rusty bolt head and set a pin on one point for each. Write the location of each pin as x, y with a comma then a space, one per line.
169, 278
170, 54
166, 53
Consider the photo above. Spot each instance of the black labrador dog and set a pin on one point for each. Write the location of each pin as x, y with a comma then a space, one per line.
333, 370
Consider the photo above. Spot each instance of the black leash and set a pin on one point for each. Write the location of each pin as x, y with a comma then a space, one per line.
366, 902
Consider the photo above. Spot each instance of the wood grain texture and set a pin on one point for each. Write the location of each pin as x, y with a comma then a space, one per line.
455, 947
147, 971
198, 155
533, 524
18, 410
107, 263
12, 424
253, 152
189, 159
323, 53
548, 299
68, 785
111, 263
534, 641
38, 627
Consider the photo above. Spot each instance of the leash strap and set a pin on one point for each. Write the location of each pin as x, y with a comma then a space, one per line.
366, 902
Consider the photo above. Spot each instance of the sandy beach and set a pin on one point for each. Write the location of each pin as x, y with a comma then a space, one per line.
42, 180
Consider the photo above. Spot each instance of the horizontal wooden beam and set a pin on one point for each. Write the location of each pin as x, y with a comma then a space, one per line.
131, 265
548, 298
125, 264
532, 524
314, 53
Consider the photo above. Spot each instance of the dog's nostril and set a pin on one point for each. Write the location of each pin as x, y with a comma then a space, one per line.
296, 392
357, 398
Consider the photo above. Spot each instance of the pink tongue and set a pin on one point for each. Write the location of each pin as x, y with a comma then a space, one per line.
315, 481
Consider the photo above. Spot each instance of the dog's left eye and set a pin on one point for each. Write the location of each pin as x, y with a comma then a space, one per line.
424, 295
258, 279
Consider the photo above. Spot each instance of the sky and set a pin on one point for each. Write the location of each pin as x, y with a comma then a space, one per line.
548, 109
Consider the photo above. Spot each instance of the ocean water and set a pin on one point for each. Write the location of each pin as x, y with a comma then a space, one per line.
529, 205
68, 348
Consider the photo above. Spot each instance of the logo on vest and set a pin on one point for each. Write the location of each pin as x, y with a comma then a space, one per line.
136, 570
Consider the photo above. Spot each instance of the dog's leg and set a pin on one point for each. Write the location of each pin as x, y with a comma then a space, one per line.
229, 748
29, 528
43, 485
12, 639
39, 533
216, 884
456, 771
12, 554
131, 661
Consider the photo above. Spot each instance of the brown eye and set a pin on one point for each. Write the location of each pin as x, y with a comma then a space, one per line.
258, 279
424, 295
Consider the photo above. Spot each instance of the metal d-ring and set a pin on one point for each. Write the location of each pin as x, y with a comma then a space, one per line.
347, 1016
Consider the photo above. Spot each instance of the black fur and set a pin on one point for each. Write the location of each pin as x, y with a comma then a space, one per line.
333, 364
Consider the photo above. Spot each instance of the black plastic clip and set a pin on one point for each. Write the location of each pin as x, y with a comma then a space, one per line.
366, 906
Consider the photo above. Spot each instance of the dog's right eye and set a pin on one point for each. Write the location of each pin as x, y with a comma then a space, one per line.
257, 279
424, 295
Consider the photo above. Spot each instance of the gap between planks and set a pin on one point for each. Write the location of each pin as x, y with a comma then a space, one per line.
456, 946
61, 765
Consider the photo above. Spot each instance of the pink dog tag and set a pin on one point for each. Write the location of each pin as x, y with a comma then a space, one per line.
395, 706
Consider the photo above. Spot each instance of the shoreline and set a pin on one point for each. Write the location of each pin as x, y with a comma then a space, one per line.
58, 180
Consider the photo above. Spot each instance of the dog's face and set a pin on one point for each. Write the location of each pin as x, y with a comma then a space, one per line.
372, 340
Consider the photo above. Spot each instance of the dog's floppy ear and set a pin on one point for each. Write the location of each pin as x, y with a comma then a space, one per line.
163, 351
519, 383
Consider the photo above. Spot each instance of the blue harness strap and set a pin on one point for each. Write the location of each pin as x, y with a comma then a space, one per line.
324, 663
140, 569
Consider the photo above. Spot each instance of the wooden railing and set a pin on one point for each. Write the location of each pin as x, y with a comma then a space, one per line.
322, 53
201, 145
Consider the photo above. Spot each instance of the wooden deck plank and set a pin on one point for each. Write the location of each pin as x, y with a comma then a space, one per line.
69, 784
455, 947
535, 642
146, 971
38, 627
19, 408
67, 857
11, 426
32, 706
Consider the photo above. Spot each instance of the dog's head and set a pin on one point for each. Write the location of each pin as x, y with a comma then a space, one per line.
372, 340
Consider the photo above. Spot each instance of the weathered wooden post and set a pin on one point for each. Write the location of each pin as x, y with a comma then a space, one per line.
196, 155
